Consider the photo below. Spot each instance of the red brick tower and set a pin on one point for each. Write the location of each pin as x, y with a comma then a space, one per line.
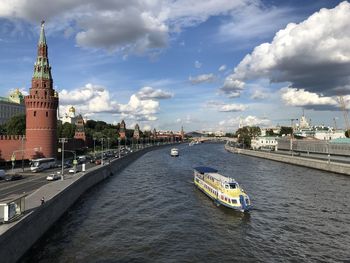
182, 133
41, 107
79, 128
122, 130
136, 132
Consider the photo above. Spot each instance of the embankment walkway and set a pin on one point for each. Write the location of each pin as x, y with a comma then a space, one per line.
329, 166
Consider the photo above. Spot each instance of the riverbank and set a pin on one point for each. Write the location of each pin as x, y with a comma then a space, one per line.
334, 167
17, 237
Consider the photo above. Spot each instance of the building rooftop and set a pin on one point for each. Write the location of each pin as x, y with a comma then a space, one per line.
340, 140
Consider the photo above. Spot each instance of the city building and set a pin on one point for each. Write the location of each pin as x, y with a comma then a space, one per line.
264, 142
219, 133
69, 117
319, 132
11, 106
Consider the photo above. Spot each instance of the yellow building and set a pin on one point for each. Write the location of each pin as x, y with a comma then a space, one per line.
11, 106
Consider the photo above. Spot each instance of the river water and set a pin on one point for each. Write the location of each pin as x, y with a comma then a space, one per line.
152, 212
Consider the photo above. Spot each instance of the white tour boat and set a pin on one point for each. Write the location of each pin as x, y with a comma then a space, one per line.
174, 152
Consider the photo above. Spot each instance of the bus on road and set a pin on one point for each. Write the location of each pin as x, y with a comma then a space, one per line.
37, 165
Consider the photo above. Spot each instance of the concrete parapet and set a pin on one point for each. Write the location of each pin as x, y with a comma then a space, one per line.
16, 238
333, 167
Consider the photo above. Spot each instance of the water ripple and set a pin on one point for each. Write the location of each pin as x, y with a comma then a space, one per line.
151, 212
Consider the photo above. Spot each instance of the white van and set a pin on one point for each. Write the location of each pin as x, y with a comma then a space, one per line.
2, 174
81, 159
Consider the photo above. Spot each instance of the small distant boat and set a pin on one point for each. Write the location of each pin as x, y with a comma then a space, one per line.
191, 144
223, 190
174, 152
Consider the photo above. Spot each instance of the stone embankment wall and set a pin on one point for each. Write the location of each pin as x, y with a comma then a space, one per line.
334, 167
21, 235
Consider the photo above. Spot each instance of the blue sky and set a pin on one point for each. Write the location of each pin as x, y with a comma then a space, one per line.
200, 64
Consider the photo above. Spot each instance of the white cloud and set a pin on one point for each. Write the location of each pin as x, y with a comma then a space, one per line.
258, 94
147, 128
222, 68
202, 78
313, 55
232, 87
127, 26
187, 120
247, 121
306, 99
90, 98
22, 90
147, 93
242, 26
93, 99
197, 64
224, 107
233, 108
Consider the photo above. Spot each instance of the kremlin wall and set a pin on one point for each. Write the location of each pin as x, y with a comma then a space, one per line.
41, 118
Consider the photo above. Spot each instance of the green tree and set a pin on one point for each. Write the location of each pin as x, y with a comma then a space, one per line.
246, 134
16, 125
286, 130
68, 130
2, 129
270, 132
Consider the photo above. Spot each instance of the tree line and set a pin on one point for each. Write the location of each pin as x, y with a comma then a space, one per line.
93, 129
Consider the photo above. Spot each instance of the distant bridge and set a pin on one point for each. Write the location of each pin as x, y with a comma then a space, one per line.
215, 139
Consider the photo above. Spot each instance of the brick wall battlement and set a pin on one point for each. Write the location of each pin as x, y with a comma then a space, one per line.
10, 137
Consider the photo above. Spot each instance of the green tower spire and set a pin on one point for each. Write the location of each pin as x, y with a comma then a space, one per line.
42, 39
42, 69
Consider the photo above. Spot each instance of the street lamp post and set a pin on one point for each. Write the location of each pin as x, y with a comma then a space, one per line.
329, 154
119, 147
102, 151
94, 147
23, 137
63, 141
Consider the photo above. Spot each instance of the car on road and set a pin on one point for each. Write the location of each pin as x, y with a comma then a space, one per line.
68, 164
53, 176
14, 177
98, 161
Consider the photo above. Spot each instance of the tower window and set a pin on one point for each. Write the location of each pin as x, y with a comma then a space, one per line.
47, 114
34, 113
45, 86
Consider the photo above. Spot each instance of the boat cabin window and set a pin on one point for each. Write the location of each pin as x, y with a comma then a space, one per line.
233, 186
227, 186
